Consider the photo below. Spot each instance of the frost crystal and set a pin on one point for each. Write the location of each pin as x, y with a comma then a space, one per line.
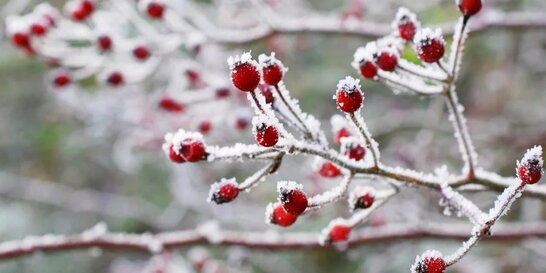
214, 188
267, 61
404, 15
269, 212
349, 85
532, 155
288, 186
246, 57
425, 35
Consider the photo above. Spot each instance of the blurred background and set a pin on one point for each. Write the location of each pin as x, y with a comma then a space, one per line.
70, 161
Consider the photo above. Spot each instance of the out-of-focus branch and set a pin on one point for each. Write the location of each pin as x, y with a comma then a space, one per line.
99, 237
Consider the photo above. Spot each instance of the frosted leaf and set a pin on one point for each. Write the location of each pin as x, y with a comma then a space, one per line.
246, 57
267, 61
288, 186
349, 85
404, 15
214, 188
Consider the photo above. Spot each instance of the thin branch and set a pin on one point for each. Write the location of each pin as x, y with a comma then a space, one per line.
358, 121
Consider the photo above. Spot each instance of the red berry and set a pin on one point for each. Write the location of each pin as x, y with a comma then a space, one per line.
241, 123
387, 60
61, 79
266, 135
192, 150
38, 29
222, 92
141, 53
469, 7
355, 151
194, 78
224, 191
174, 156
368, 70
328, 169
115, 79
105, 43
365, 201
406, 30
205, 126
280, 217
20, 39
79, 15
338, 233
530, 169
167, 103
273, 74
293, 200
431, 265
87, 6
245, 76
155, 10
342, 133
430, 50
349, 100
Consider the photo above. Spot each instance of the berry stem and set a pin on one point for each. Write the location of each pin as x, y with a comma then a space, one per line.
259, 175
365, 134
307, 134
396, 82
286, 119
256, 102
333, 194
409, 68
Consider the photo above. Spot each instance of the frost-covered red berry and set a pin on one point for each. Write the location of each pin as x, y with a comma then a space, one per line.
272, 69
38, 29
429, 45
341, 133
245, 74
83, 10
155, 10
387, 59
361, 197
20, 39
87, 6
115, 78
61, 79
406, 24
337, 231
205, 126
429, 262
222, 92
265, 134
224, 191
349, 96
363, 61
192, 149
169, 104
267, 93
368, 70
276, 214
141, 53
174, 156
351, 147
104, 42
292, 197
328, 169
530, 169
469, 7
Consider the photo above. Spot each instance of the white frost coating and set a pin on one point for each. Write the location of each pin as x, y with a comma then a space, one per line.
338, 122
349, 85
246, 57
211, 231
427, 254
325, 233
454, 65
426, 35
404, 15
288, 186
267, 61
428, 71
357, 192
177, 138
258, 176
214, 188
391, 44
100, 229
363, 54
409, 83
532, 154
461, 204
360, 126
331, 195
269, 209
